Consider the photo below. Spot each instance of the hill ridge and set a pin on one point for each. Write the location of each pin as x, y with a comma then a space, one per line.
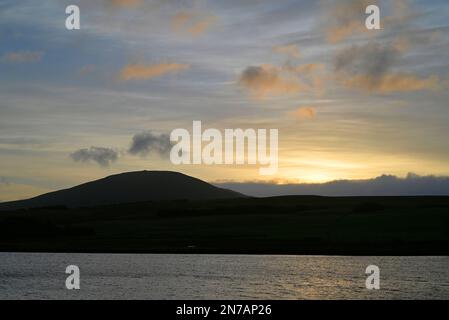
127, 187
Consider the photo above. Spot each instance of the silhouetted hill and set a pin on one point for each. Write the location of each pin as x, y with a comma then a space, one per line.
130, 187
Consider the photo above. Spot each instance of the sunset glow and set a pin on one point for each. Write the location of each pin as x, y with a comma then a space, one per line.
348, 103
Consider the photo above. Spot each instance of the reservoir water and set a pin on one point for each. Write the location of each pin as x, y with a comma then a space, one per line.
177, 276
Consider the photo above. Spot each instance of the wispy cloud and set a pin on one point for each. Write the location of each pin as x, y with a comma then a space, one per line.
192, 23
290, 50
102, 156
345, 18
304, 112
369, 67
126, 3
390, 83
19, 141
372, 59
22, 57
146, 72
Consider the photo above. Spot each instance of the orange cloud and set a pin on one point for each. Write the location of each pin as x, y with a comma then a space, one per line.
346, 18
126, 3
23, 57
393, 83
192, 23
337, 34
290, 50
304, 113
401, 11
307, 69
146, 72
267, 80
371, 67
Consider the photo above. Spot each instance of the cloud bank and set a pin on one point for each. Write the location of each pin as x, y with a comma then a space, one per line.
385, 185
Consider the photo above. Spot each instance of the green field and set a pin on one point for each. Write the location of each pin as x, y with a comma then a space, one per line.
281, 225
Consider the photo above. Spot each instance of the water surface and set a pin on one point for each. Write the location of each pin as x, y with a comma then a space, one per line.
154, 276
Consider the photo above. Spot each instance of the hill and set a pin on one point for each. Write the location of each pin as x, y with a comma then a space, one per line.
130, 187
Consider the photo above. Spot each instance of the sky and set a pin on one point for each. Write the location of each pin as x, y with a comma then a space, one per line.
349, 103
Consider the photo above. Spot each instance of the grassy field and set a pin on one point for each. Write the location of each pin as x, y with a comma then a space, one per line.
281, 225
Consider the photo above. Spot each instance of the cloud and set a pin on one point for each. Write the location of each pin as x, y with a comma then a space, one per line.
146, 142
146, 72
126, 3
103, 156
305, 69
369, 67
371, 59
345, 18
304, 113
394, 83
19, 141
385, 185
291, 50
268, 80
313, 74
192, 23
22, 57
